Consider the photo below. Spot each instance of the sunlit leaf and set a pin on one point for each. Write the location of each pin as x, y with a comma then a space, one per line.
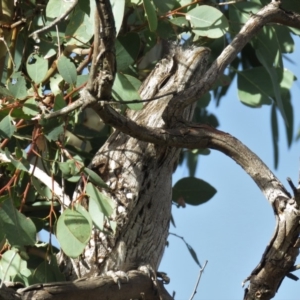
30, 107
7, 128
73, 231
67, 70
240, 12
4, 92
54, 84
95, 178
118, 8
254, 87
80, 28
207, 21
19, 230
20, 164
127, 49
37, 67
180, 21
125, 88
18, 86
56, 8
59, 102
101, 201
151, 14
54, 133
12, 263
42, 190
78, 225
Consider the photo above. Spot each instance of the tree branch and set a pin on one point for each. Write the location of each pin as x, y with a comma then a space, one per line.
34, 35
138, 286
269, 14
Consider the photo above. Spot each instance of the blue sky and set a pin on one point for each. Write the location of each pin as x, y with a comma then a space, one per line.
232, 230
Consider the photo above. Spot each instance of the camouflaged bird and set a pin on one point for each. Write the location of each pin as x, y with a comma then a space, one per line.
139, 174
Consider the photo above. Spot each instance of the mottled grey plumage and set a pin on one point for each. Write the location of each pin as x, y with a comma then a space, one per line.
139, 174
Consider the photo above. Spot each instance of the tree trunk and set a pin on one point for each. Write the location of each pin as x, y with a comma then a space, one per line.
139, 175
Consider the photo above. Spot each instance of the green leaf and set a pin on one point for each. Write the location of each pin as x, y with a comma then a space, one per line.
75, 178
85, 6
47, 50
85, 213
54, 84
268, 52
37, 67
7, 128
95, 178
81, 79
73, 232
165, 30
127, 49
100, 201
291, 5
48, 271
289, 112
254, 87
56, 8
240, 12
193, 254
53, 134
78, 225
21, 164
4, 92
12, 263
180, 22
18, 87
67, 70
275, 81
192, 160
96, 215
285, 87
30, 107
59, 102
151, 14
204, 100
192, 191
68, 168
19, 230
285, 40
118, 8
207, 21
275, 135
42, 190
125, 88
164, 6
80, 28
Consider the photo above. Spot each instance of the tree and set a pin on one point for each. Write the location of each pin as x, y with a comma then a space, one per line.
54, 119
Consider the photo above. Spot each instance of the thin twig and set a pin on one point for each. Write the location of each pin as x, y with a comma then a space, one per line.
44, 178
5, 273
84, 102
230, 2
198, 280
56, 21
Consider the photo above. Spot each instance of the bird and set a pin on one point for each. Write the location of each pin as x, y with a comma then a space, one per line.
139, 174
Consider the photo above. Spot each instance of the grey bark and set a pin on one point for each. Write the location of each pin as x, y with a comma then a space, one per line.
139, 174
